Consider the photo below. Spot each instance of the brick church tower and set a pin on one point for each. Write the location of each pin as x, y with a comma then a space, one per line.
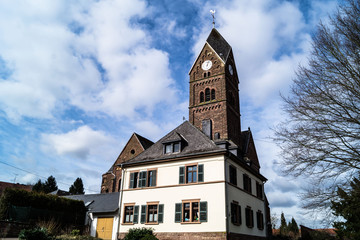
214, 94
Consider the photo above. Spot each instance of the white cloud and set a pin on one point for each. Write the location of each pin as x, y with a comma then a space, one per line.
79, 143
89, 55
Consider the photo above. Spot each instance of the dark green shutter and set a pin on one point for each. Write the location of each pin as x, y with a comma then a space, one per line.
143, 214
153, 182
239, 214
142, 179
181, 175
136, 214
131, 180
161, 213
203, 211
178, 212
201, 173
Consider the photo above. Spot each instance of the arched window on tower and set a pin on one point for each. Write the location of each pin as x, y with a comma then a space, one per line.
204, 75
212, 94
207, 94
208, 74
201, 97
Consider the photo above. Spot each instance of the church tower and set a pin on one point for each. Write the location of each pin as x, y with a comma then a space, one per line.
214, 94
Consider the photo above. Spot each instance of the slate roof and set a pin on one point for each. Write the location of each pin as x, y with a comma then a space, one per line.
146, 143
196, 143
99, 203
219, 44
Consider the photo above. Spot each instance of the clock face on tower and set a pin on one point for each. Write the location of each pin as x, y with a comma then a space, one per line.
206, 65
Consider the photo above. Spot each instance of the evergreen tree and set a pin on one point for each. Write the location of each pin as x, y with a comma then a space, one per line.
293, 227
50, 185
348, 207
38, 187
77, 187
283, 225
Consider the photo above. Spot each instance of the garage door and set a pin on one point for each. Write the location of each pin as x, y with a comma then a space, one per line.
104, 228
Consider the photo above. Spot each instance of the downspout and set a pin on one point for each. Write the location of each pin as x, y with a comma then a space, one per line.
226, 200
120, 198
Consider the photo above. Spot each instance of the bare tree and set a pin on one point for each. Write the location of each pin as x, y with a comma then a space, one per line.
320, 138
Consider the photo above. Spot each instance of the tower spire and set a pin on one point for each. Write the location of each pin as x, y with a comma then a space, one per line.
213, 16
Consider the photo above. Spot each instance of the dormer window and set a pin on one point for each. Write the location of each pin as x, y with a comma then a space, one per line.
172, 147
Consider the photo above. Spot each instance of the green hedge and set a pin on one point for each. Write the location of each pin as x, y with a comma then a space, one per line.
27, 206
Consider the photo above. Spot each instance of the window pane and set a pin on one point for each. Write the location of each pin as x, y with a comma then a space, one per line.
195, 211
186, 216
168, 148
176, 147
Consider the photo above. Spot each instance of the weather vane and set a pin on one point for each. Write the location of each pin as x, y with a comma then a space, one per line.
213, 16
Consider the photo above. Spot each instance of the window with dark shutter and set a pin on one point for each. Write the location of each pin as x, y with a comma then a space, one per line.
151, 181
142, 179
259, 190
143, 214
181, 175
201, 173
131, 180
203, 211
235, 213
249, 215
178, 212
233, 175
161, 213
260, 220
136, 214
247, 183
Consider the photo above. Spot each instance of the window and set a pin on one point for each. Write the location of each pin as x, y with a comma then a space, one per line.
249, 215
212, 94
207, 94
172, 147
151, 181
208, 74
191, 211
260, 220
204, 75
143, 179
134, 179
191, 174
247, 183
259, 190
131, 213
152, 213
235, 213
201, 97
232, 173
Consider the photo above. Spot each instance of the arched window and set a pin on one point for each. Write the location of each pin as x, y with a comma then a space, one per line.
201, 97
207, 94
212, 94
204, 75
208, 74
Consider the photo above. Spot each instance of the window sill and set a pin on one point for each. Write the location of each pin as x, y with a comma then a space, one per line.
191, 222
127, 224
150, 223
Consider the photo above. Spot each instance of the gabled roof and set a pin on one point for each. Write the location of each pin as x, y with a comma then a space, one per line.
196, 143
219, 44
249, 149
99, 203
145, 143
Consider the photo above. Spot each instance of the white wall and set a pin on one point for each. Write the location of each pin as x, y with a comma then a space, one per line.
169, 192
244, 199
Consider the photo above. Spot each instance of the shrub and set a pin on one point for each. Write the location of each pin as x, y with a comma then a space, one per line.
75, 232
35, 234
140, 234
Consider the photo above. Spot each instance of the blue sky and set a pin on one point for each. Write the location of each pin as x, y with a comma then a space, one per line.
77, 78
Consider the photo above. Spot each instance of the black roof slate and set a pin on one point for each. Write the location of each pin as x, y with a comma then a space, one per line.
219, 44
196, 142
99, 203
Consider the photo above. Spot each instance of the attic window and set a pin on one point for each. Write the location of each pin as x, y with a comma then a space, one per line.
172, 147
132, 151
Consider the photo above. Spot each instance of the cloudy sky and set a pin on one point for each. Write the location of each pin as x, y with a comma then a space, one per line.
77, 78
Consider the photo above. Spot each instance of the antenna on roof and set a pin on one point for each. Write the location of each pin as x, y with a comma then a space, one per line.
213, 16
